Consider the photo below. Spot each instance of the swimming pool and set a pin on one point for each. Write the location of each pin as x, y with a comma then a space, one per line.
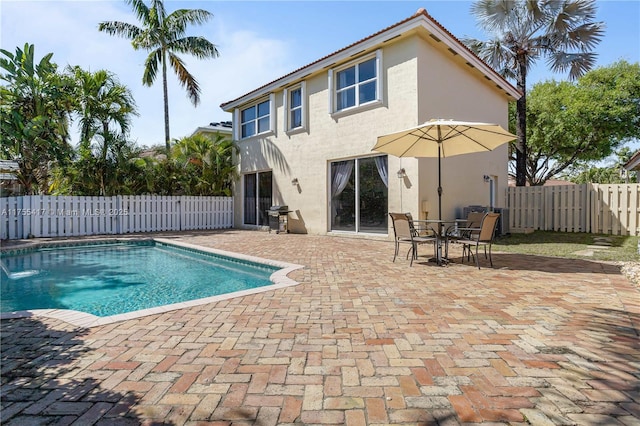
112, 278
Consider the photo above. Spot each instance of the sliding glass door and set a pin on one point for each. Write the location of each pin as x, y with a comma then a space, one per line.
359, 195
257, 198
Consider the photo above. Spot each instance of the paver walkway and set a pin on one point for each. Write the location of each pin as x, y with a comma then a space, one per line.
361, 341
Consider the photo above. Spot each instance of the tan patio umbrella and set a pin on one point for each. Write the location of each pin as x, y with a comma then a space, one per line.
443, 138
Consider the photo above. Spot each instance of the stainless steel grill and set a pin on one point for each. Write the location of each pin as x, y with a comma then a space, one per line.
279, 218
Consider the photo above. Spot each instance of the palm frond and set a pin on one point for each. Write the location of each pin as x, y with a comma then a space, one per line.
507, 72
120, 29
180, 18
151, 66
472, 43
140, 9
155, 20
160, 11
148, 39
579, 10
494, 52
199, 47
537, 10
576, 63
187, 80
493, 15
586, 36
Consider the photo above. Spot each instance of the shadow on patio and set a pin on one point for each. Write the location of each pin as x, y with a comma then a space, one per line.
41, 384
527, 262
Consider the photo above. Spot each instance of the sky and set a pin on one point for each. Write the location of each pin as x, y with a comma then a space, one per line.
258, 42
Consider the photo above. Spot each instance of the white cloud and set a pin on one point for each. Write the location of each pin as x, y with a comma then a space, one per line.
69, 30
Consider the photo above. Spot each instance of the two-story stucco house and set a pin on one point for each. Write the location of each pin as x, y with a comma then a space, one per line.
305, 140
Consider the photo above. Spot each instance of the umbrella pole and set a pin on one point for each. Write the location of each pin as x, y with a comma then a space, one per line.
439, 186
440, 224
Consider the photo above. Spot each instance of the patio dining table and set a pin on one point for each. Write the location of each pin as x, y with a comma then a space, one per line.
440, 233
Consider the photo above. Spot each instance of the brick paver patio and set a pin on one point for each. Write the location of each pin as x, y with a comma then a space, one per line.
360, 341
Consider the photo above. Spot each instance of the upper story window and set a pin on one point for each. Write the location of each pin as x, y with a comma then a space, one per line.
295, 107
295, 111
357, 84
255, 119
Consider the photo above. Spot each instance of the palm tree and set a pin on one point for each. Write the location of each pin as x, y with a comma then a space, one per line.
563, 32
163, 36
105, 107
206, 163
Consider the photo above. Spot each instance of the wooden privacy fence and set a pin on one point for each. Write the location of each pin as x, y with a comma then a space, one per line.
593, 208
50, 216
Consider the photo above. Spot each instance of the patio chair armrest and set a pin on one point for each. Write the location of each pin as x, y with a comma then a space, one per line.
467, 233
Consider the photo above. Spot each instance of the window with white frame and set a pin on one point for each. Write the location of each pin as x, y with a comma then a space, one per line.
255, 119
357, 84
295, 106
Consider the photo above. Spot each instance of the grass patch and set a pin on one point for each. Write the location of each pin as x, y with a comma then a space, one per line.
569, 245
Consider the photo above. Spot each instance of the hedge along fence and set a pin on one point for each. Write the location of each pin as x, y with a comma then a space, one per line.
65, 216
592, 208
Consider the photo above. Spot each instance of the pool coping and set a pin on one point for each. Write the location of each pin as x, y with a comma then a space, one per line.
279, 279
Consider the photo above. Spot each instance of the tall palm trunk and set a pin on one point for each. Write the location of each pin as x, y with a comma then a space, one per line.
165, 90
521, 128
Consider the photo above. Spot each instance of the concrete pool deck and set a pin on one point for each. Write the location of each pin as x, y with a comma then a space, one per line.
360, 341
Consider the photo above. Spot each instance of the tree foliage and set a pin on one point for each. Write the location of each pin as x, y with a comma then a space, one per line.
35, 106
612, 173
163, 36
523, 31
104, 109
38, 105
570, 123
206, 164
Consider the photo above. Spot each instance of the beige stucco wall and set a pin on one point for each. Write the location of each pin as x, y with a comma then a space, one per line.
447, 90
417, 80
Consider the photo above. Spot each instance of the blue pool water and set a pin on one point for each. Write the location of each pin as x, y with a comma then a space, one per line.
111, 279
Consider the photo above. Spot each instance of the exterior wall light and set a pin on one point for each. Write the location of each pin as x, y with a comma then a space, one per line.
294, 182
486, 178
402, 173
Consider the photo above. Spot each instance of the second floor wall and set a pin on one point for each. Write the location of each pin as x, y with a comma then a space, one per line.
413, 82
